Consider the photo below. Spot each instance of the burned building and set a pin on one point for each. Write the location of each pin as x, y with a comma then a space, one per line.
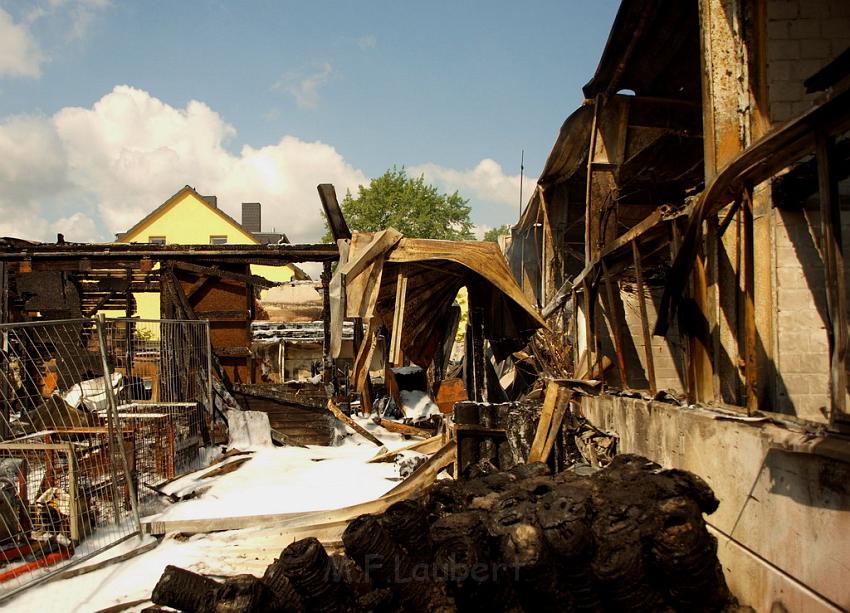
688, 233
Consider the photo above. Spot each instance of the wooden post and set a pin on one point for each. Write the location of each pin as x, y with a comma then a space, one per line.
358, 334
249, 310
644, 319
836, 290
335, 410
398, 319
616, 332
588, 328
467, 446
327, 362
574, 329
751, 365
5, 385
336, 220
687, 349
476, 319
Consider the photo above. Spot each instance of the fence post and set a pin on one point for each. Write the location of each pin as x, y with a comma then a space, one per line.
211, 406
112, 423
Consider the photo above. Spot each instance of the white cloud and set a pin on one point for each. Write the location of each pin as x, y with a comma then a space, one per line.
77, 228
304, 87
480, 230
367, 42
20, 54
487, 181
91, 172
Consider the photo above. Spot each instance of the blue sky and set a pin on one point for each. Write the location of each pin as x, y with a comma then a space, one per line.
262, 100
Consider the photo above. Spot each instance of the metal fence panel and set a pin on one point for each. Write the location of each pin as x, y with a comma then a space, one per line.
166, 398
91, 411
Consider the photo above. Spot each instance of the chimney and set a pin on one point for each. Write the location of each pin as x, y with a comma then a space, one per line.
251, 216
211, 200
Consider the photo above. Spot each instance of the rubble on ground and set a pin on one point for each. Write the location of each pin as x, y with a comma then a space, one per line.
630, 536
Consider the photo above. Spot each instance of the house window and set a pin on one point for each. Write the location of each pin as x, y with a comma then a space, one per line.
218, 240
156, 240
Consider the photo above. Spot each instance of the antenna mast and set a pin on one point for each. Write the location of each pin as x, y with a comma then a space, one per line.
521, 169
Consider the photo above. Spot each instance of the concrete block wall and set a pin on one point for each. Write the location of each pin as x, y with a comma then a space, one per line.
802, 356
802, 37
667, 355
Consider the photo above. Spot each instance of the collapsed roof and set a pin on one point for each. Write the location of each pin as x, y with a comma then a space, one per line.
366, 286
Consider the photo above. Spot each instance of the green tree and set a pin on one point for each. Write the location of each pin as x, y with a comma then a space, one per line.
493, 234
411, 206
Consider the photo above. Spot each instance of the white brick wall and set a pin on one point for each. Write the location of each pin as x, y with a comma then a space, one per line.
803, 351
666, 353
802, 37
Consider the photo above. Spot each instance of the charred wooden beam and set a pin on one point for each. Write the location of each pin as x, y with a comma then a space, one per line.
764, 159
218, 273
836, 284
614, 320
558, 299
234, 315
336, 220
328, 367
197, 285
130, 254
99, 305
476, 320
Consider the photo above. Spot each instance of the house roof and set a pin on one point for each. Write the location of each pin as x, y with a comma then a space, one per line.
174, 200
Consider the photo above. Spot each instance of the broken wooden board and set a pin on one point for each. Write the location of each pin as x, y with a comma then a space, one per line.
82, 570
326, 525
352, 424
554, 406
407, 430
429, 445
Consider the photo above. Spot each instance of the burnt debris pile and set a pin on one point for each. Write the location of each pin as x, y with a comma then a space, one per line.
628, 537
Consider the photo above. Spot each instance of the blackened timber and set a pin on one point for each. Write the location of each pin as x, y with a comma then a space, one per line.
750, 333
836, 290
216, 272
476, 319
100, 303
196, 286
588, 331
765, 158
130, 253
621, 242
235, 315
249, 306
558, 299
336, 220
176, 291
328, 370
616, 330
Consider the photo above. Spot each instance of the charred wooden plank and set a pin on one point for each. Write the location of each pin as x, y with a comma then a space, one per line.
352, 424
336, 220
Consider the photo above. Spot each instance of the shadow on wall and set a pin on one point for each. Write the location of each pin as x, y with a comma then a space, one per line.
810, 480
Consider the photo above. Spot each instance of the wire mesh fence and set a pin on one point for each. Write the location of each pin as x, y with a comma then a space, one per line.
166, 398
91, 410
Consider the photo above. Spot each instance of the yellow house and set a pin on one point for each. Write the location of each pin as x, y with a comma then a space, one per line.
188, 218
